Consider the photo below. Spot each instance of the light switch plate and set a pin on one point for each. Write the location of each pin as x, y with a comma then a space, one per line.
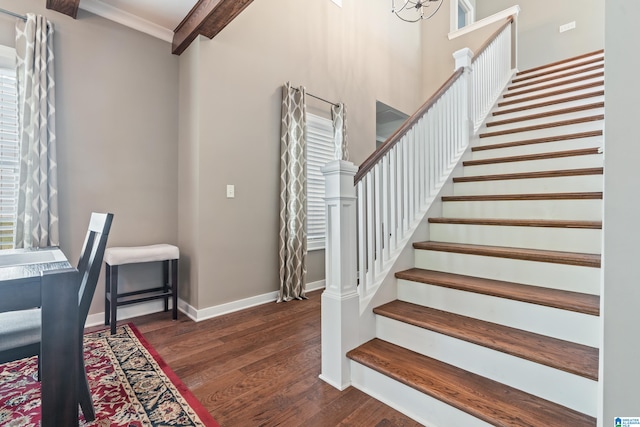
231, 191
566, 27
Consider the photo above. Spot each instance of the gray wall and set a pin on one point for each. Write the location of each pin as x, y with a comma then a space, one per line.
620, 350
117, 129
539, 39
356, 54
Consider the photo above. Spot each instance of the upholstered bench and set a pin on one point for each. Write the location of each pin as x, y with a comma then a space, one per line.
114, 257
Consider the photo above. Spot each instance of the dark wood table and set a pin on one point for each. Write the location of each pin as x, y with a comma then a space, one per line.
44, 278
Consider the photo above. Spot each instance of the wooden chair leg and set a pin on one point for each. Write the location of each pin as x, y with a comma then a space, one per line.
114, 297
174, 287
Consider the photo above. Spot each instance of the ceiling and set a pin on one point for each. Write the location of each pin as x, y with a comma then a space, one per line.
155, 17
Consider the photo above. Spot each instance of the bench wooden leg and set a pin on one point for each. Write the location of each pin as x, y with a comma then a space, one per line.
107, 289
165, 283
174, 287
114, 298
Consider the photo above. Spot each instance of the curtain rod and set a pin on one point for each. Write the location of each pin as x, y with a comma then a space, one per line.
8, 12
318, 98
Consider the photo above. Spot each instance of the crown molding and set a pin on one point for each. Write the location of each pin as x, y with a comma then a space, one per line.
127, 19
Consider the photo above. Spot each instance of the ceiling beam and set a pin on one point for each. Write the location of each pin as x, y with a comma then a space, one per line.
68, 7
207, 18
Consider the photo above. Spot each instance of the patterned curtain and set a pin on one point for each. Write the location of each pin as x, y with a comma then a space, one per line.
339, 116
293, 200
37, 221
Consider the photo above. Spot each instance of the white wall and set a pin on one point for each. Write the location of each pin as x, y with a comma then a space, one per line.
620, 300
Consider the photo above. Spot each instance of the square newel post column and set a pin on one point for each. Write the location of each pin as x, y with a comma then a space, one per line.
340, 300
463, 59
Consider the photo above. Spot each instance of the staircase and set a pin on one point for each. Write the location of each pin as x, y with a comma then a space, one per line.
498, 322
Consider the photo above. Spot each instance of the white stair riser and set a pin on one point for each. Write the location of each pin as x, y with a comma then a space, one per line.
572, 162
519, 95
543, 120
538, 110
561, 324
544, 147
595, 125
590, 90
563, 184
423, 408
545, 238
580, 210
557, 69
572, 391
550, 275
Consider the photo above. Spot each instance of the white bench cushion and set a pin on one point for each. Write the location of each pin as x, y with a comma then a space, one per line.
135, 254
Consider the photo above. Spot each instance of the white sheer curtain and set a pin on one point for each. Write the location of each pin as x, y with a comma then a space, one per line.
293, 209
37, 215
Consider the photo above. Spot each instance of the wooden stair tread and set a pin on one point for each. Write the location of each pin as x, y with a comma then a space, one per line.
485, 399
537, 255
551, 93
523, 118
544, 126
581, 78
537, 156
531, 175
548, 77
563, 355
596, 195
547, 223
549, 102
554, 138
548, 297
525, 74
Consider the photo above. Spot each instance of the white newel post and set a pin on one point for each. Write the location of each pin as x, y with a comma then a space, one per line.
340, 300
463, 59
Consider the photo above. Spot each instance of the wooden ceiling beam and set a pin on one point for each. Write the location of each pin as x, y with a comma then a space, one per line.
207, 18
68, 7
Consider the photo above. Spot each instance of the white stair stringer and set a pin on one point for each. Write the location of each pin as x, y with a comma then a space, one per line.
569, 390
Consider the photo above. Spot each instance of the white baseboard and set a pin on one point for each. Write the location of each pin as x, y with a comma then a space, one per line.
194, 314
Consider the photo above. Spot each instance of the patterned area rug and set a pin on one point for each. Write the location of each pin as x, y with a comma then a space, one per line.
130, 384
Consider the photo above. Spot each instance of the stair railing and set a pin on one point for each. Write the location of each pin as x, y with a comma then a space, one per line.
373, 211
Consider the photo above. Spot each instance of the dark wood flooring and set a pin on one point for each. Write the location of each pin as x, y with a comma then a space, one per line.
260, 367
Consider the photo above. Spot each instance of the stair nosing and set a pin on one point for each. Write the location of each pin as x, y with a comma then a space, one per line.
560, 123
548, 78
595, 225
497, 342
552, 93
482, 391
510, 94
531, 175
594, 195
596, 54
534, 157
522, 254
542, 140
531, 294
546, 114
549, 103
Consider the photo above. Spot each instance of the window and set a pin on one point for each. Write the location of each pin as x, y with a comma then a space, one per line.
320, 151
462, 14
9, 147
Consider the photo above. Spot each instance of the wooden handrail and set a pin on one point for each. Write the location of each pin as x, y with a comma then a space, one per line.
495, 35
368, 164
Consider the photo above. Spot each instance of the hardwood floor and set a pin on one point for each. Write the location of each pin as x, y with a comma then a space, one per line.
260, 367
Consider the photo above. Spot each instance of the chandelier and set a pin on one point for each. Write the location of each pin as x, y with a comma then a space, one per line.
414, 11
